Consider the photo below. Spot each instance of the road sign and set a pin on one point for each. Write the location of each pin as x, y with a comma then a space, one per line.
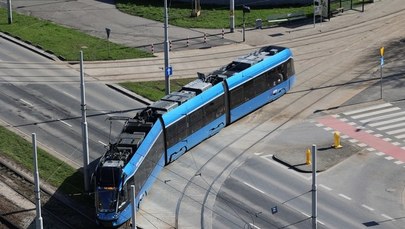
274, 210
169, 71
382, 61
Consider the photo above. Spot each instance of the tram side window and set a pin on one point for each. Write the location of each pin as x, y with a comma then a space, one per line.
177, 131
260, 84
149, 163
249, 90
236, 97
214, 109
290, 71
124, 197
275, 76
196, 120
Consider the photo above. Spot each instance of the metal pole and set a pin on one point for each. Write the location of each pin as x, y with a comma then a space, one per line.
243, 29
84, 127
166, 47
232, 16
10, 12
133, 204
381, 78
38, 219
314, 13
314, 191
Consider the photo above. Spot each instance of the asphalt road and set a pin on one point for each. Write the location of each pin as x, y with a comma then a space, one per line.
327, 64
43, 97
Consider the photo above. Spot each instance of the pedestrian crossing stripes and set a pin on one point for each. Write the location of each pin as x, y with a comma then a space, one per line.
379, 128
385, 119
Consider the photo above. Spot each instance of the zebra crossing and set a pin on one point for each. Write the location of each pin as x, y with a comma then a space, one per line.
379, 128
384, 119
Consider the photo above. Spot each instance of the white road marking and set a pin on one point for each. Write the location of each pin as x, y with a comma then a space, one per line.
258, 154
343, 119
387, 139
102, 143
378, 135
67, 124
28, 103
253, 187
388, 122
399, 162
369, 131
368, 108
380, 153
68, 94
382, 117
371, 149
319, 125
397, 131
284, 167
353, 140
344, 196
254, 226
325, 187
389, 158
400, 136
367, 207
392, 126
387, 217
376, 112
327, 128
362, 144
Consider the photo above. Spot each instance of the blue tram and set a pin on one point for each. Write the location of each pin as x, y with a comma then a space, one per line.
163, 131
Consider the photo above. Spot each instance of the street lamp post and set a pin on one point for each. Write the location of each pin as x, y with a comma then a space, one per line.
246, 9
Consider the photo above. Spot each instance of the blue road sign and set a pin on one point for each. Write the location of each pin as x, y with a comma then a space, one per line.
382, 61
169, 71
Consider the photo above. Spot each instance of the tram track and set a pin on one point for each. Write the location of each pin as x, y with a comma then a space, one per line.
286, 115
18, 204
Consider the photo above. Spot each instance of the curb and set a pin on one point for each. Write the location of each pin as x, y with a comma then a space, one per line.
129, 94
38, 50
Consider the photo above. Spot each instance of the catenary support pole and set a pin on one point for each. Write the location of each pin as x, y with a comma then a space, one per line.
232, 16
38, 218
133, 204
84, 128
10, 12
166, 51
314, 191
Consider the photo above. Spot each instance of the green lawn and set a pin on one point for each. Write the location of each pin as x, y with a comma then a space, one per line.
52, 170
63, 41
155, 90
213, 17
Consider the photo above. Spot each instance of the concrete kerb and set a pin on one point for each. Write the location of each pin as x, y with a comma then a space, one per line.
30, 47
129, 93
326, 157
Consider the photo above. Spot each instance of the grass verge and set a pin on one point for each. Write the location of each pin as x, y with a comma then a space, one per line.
155, 90
51, 170
65, 42
212, 17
